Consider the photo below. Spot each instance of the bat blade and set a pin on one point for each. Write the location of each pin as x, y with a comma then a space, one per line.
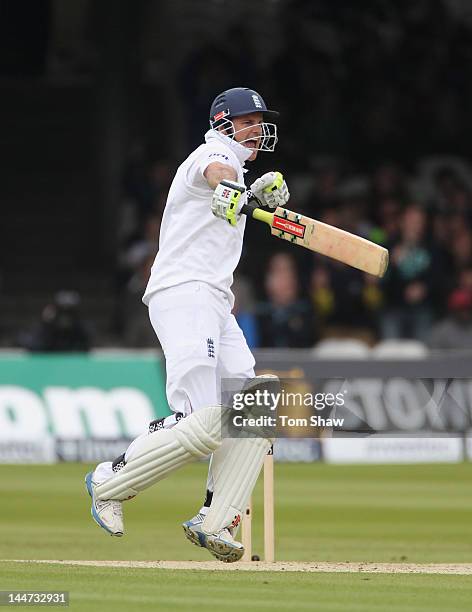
330, 241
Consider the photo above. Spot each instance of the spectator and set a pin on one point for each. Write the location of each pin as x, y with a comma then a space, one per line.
388, 182
449, 190
387, 215
322, 295
346, 302
145, 184
324, 196
138, 249
243, 310
455, 331
465, 279
461, 248
138, 332
131, 266
410, 280
61, 328
142, 246
285, 319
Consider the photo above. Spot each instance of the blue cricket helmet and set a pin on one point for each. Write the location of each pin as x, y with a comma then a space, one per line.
236, 102
242, 101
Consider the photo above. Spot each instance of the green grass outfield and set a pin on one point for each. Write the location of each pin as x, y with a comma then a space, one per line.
412, 514
111, 590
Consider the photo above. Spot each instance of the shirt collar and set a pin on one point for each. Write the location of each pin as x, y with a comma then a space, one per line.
241, 152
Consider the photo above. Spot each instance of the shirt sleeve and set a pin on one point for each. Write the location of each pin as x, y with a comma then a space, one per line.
207, 157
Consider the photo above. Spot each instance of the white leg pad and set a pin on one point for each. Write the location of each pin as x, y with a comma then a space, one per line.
235, 469
164, 451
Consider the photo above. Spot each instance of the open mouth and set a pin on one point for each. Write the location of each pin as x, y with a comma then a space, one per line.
251, 144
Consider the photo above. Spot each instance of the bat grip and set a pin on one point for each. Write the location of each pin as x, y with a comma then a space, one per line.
250, 206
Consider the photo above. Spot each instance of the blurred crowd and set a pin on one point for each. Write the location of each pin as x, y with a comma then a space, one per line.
288, 296
374, 138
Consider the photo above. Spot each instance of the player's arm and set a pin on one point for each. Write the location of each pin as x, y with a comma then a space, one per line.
217, 172
228, 196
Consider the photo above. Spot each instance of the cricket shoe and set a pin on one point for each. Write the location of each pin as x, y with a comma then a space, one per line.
221, 545
108, 514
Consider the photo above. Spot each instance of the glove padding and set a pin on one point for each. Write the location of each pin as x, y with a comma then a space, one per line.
271, 190
227, 201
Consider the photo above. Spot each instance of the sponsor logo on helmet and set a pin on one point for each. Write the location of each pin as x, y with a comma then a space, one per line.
257, 102
221, 115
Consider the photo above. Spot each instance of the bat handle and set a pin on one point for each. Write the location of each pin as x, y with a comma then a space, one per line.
252, 210
250, 206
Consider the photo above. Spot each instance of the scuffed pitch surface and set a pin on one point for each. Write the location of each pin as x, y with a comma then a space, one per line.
280, 566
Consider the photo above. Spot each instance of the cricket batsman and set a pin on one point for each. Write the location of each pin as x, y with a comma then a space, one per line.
190, 301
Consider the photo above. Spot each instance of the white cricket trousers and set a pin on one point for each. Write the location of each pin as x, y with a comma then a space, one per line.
202, 344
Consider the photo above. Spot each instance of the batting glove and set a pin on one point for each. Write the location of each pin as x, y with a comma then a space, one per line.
227, 201
271, 190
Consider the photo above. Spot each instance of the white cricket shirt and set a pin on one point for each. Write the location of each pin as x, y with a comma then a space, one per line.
194, 245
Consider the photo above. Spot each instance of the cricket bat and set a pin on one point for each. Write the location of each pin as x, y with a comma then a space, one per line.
322, 238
